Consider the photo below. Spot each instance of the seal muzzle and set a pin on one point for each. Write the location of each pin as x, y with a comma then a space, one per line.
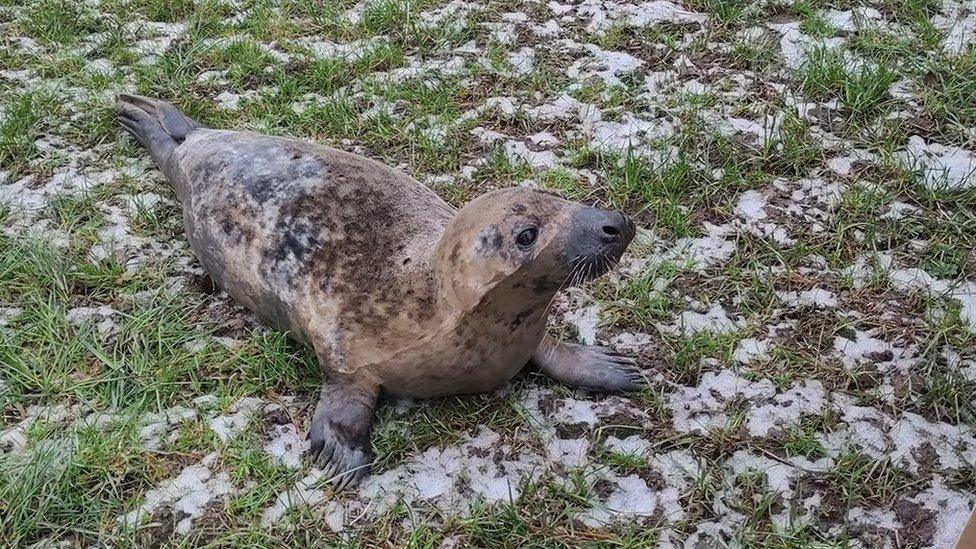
598, 238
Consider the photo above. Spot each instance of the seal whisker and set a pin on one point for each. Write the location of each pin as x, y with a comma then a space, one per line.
562, 285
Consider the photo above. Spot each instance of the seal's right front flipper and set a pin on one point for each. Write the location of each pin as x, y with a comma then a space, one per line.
339, 436
588, 367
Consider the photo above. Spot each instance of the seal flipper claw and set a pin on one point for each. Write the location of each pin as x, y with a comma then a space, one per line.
589, 367
339, 434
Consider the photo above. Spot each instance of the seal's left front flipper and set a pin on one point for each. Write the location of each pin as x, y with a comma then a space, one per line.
339, 435
588, 367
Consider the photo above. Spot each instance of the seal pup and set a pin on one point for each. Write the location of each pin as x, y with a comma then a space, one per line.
394, 290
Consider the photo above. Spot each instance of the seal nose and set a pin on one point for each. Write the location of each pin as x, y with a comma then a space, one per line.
617, 228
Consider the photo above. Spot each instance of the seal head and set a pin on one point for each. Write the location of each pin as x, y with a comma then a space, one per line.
521, 239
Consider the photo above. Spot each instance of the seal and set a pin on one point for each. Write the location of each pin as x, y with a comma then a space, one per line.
396, 292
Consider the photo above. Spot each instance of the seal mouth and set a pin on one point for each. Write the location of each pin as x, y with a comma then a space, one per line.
598, 241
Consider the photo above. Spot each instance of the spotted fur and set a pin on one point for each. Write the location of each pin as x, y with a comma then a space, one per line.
394, 289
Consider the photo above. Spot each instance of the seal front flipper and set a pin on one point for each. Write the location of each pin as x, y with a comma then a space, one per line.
339, 434
588, 367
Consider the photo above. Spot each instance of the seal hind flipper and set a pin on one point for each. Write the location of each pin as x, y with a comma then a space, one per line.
339, 435
176, 124
159, 127
588, 367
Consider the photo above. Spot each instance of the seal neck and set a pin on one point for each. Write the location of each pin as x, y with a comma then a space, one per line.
459, 297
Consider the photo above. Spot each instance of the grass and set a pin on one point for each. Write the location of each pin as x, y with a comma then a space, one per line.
812, 21
950, 91
861, 89
146, 361
59, 21
70, 489
25, 116
410, 96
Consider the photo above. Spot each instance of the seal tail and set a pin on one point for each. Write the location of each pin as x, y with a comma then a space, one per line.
159, 127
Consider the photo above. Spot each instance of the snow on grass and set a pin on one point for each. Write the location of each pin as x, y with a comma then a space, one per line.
715, 320
941, 167
188, 495
237, 418
751, 154
699, 409
750, 350
964, 293
286, 446
806, 398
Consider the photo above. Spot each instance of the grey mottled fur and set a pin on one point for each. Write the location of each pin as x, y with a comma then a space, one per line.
395, 290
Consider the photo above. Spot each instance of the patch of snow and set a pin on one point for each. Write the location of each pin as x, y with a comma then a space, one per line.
572, 411
13, 440
563, 107
522, 61
633, 445
352, 51
818, 298
232, 101
479, 469
864, 349
631, 341
302, 493
68, 181
517, 152
851, 20
623, 137
703, 252
953, 445
964, 293
750, 206
700, 409
942, 167
751, 350
543, 139
631, 497
959, 26
571, 453
188, 495
9, 313
898, 211
606, 65
603, 15
804, 398
101, 317
586, 321
238, 417
796, 46
715, 321
952, 510
874, 518
155, 427
286, 446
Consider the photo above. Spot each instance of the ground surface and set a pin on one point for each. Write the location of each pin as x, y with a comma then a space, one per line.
802, 290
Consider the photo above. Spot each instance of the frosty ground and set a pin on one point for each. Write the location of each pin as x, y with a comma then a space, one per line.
802, 291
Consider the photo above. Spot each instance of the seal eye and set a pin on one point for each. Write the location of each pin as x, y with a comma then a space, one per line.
527, 237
